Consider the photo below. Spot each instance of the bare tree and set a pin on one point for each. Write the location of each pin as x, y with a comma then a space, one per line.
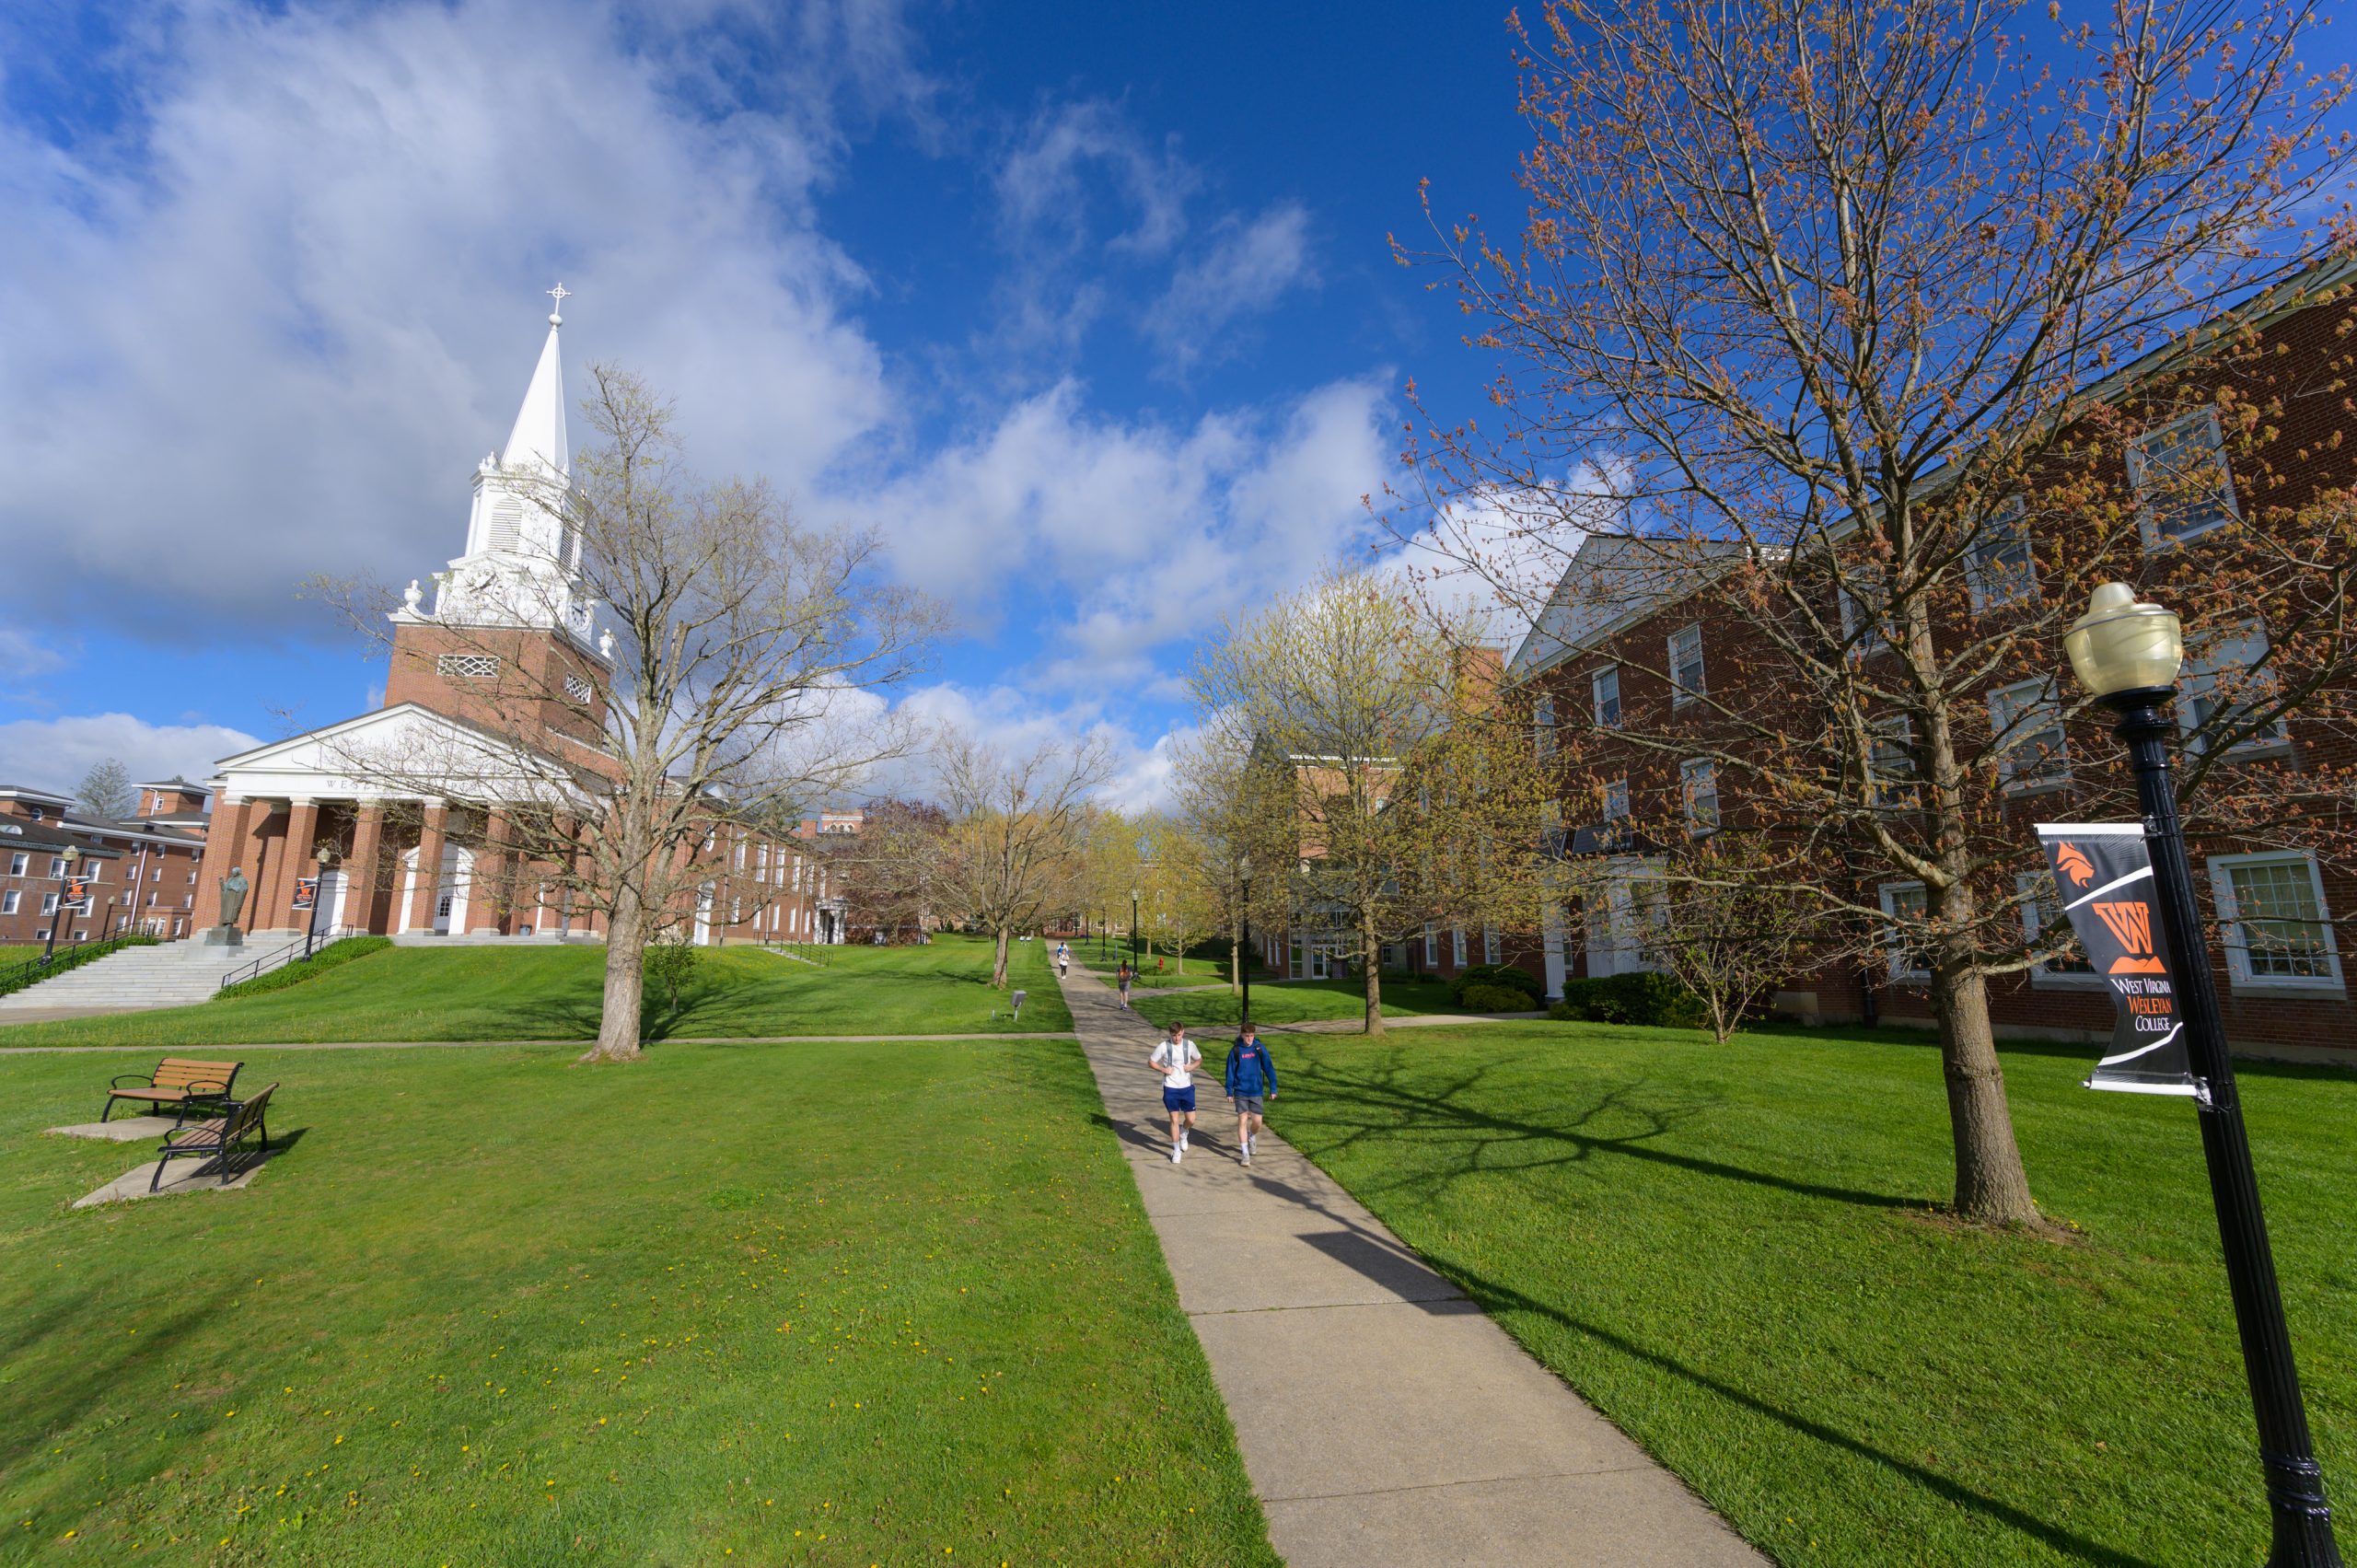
1220, 800
1823, 308
881, 868
738, 656
1401, 793
1012, 851
105, 791
1727, 928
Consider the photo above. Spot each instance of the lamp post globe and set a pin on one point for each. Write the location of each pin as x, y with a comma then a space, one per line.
2127, 653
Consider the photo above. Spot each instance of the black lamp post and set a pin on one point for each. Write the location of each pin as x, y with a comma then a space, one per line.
1243, 963
64, 885
2126, 655
1133, 931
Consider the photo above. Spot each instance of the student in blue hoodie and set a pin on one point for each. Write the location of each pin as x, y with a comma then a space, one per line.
1251, 1081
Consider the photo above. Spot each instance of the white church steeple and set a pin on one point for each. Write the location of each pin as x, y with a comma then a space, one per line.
523, 559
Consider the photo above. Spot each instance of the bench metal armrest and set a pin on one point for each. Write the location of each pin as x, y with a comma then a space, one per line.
204, 1089
145, 1080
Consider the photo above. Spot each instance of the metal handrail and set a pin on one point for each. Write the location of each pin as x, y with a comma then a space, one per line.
74, 955
316, 944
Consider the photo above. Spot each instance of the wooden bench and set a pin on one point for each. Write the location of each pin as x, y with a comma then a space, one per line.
243, 1120
177, 1080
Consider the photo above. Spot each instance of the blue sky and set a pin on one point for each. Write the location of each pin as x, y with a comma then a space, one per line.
1089, 309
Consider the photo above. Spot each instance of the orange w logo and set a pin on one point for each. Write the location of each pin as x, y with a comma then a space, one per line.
2131, 921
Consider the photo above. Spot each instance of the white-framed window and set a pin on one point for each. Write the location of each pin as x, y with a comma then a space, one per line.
2183, 486
1432, 945
2277, 930
2042, 912
1616, 799
1905, 904
1685, 665
1603, 686
18, 862
1489, 944
1865, 618
1890, 763
151, 900
2226, 683
466, 667
578, 690
131, 874
2026, 727
1542, 724
1998, 566
1456, 945
48, 904
10, 900
1698, 783
57, 866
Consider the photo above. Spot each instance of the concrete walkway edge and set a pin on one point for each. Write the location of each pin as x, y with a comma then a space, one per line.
1385, 1422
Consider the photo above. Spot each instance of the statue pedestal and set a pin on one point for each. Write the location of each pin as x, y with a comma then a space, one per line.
224, 937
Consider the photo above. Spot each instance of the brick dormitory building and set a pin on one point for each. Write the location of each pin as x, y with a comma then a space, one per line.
402, 859
141, 871
1633, 639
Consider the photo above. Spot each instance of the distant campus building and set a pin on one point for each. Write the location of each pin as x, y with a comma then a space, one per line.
404, 861
141, 872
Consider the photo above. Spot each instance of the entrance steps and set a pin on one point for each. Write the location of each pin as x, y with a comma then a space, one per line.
170, 974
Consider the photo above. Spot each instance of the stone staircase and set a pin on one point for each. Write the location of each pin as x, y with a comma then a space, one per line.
169, 974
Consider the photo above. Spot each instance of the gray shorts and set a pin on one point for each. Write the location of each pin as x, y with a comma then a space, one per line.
1247, 1105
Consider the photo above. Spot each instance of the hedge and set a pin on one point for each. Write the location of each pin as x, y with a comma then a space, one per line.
1649, 999
1496, 976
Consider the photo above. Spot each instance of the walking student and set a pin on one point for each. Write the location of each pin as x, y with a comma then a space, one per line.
1176, 1059
1063, 958
1251, 1081
1121, 979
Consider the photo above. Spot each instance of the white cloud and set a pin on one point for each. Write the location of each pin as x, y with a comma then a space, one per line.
1246, 270
55, 753
1044, 187
1153, 530
268, 331
1014, 721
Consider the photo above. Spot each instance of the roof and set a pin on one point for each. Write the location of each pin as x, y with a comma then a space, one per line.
19, 834
177, 785
26, 792
1613, 581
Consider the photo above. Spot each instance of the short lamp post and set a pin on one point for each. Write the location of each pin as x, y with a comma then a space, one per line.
1243, 962
2127, 654
1133, 931
57, 916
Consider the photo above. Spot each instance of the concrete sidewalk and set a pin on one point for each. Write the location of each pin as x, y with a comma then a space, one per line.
1384, 1421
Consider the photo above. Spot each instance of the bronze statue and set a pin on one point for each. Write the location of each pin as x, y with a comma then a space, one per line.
233, 894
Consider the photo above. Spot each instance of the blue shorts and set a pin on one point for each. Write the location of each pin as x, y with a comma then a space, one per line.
1178, 1099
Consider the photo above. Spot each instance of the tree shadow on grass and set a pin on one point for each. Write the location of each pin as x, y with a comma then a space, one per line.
1377, 1104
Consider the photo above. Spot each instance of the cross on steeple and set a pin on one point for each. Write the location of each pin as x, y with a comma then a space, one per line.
558, 294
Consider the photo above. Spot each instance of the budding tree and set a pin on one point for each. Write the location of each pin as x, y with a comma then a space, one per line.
713, 667
1885, 339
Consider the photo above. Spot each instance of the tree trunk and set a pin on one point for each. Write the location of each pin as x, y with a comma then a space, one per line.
625, 982
1991, 1188
998, 958
1235, 956
1372, 973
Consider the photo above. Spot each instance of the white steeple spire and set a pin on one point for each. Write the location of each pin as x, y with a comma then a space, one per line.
538, 434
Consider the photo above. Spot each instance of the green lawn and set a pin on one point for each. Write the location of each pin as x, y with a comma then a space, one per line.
1295, 1001
1732, 1251
552, 993
818, 1303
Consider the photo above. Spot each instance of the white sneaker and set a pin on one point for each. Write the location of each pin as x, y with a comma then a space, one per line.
1182, 1142
1176, 1150
1245, 1157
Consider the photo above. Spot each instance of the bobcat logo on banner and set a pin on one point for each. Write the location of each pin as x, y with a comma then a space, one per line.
2105, 875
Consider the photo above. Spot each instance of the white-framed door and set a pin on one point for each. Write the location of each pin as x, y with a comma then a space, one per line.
1554, 952
450, 895
330, 898
703, 916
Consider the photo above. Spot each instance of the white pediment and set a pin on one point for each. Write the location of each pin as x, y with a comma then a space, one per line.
402, 752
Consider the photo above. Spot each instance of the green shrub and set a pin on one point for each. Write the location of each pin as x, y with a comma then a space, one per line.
319, 963
1495, 999
1654, 1000
669, 966
1495, 976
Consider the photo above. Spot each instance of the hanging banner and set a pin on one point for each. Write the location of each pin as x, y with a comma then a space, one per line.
307, 892
2105, 875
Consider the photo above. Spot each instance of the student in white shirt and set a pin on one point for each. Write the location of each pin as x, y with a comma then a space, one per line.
1176, 1059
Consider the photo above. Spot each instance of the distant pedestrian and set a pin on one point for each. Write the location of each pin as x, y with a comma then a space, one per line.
1176, 1059
1251, 1080
1121, 979
1063, 958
